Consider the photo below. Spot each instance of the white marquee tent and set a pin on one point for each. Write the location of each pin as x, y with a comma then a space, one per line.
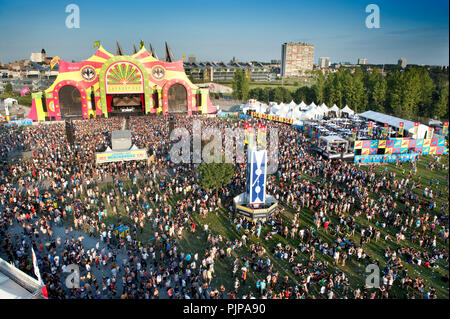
335, 109
347, 110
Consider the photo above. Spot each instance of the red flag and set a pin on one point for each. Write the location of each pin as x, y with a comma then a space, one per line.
44, 291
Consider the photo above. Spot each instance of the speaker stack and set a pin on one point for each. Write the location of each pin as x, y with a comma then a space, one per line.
70, 132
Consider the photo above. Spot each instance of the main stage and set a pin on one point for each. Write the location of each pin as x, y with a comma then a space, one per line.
107, 84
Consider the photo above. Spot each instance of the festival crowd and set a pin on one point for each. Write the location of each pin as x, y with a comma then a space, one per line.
124, 224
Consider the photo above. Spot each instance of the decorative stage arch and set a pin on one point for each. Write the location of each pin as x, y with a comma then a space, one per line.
141, 76
166, 95
53, 103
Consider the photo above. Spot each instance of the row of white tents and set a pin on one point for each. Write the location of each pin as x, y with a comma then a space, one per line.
296, 112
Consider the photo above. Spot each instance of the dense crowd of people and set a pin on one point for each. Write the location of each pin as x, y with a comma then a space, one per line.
68, 209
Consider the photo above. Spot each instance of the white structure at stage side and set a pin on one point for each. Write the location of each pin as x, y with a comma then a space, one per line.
296, 112
333, 146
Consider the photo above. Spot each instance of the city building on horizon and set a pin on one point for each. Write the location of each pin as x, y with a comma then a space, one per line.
38, 57
192, 58
362, 61
324, 62
224, 72
402, 62
296, 58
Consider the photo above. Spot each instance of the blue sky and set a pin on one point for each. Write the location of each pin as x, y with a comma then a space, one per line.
219, 30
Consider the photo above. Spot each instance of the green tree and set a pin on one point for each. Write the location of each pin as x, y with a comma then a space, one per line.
404, 93
426, 89
264, 97
255, 93
25, 100
277, 95
305, 94
441, 106
240, 85
378, 95
319, 88
214, 176
8, 88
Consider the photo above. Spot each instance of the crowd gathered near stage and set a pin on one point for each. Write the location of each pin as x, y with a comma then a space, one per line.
55, 199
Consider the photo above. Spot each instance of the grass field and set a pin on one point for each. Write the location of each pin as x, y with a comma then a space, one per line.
290, 87
219, 223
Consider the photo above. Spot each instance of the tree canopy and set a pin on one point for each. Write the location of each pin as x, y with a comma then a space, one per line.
410, 94
214, 176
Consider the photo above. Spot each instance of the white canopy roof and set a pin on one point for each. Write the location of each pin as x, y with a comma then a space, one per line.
348, 110
302, 105
334, 108
394, 122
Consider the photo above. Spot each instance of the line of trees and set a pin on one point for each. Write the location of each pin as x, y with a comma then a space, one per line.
409, 94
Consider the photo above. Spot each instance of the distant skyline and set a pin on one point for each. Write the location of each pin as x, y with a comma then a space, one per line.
219, 31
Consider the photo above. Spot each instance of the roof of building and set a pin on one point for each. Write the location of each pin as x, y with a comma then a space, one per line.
391, 120
333, 138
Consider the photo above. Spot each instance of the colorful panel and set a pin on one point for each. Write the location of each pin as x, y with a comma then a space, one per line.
419, 142
382, 144
374, 144
358, 145
388, 150
405, 143
433, 149
366, 144
441, 142
427, 142
396, 150
412, 143
124, 77
373, 151
403, 150
425, 150
440, 150
397, 143
365, 151
434, 142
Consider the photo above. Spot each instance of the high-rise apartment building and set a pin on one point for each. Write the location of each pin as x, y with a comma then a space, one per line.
296, 58
402, 62
324, 62
362, 61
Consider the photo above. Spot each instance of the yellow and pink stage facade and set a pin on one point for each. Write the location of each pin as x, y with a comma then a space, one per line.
106, 84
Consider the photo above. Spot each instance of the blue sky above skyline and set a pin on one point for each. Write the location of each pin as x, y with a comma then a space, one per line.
221, 30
